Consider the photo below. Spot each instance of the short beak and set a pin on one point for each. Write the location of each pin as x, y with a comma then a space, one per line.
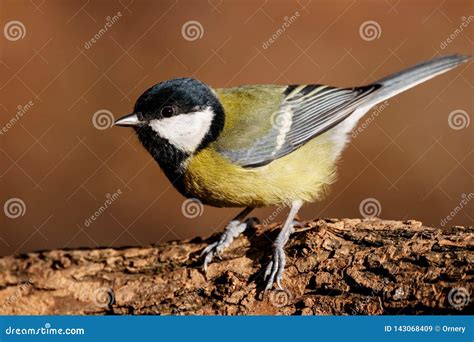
128, 120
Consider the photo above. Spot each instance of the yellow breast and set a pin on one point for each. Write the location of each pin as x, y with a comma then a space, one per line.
302, 174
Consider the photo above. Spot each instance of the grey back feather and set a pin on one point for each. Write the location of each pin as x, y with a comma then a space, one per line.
308, 111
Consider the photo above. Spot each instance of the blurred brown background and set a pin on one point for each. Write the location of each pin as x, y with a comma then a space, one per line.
57, 168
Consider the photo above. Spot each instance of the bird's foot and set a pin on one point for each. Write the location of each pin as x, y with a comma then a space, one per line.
275, 268
233, 229
296, 223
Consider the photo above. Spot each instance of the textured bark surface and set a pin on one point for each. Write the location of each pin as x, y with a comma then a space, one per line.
334, 266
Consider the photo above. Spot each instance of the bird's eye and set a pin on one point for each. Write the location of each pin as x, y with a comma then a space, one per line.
167, 111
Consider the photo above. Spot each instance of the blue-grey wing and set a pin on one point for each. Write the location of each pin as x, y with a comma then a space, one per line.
305, 112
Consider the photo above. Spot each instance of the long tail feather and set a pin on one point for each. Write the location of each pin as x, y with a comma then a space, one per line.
408, 78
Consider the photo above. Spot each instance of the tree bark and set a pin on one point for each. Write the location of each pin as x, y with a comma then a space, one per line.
347, 266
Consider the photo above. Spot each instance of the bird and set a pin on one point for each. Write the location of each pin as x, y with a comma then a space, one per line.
256, 146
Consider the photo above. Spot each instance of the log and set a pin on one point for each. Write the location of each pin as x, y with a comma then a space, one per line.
334, 266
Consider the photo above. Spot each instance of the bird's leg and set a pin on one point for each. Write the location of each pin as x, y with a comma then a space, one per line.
231, 231
276, 267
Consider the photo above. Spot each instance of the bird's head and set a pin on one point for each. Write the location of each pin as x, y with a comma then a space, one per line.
176, 118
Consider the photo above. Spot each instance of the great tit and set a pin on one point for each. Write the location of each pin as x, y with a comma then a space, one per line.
258, 145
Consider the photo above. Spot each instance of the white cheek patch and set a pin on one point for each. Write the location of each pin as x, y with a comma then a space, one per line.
184, 131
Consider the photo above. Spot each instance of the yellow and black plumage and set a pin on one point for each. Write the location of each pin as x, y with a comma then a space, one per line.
255, 146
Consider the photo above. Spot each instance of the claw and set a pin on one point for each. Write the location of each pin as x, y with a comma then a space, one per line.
233, 229
268, 270
275, 269
296, 223
208, 249
271, 279
207, 260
